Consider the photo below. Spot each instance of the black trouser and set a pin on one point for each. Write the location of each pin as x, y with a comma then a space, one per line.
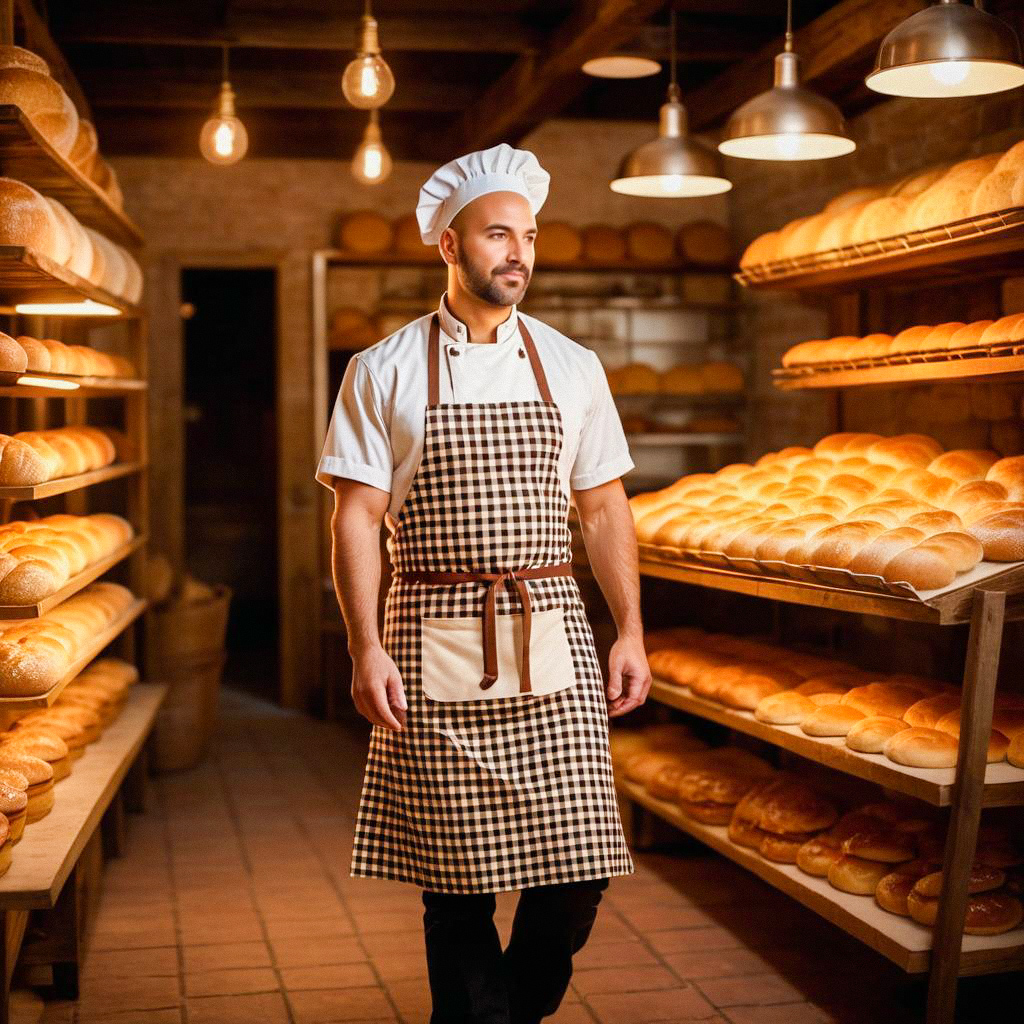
474, 981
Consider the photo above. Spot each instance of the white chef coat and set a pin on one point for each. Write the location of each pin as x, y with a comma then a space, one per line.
376, 429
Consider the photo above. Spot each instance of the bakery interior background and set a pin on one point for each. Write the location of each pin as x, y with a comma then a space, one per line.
250, 216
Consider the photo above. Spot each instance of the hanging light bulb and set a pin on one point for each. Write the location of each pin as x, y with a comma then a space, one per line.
672, 166
372, 162
224, 139
787, 122
949, 49
367, 82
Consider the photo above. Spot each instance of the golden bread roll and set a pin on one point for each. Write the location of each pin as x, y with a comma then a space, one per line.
893, 889
762, 249
783, 849
880, 218
704, 242
856, 875
879, 841
992, 913
927, 711
84, 149
994, 191
949, 199
785, 708
721, 377
922, 748
854, 197
25, 82
365, 232
876, 555
909, 340
831, 719
26, 219
818, 854
922, 568
406, 237
682, 380
914, 184
1009, 473
1001, 535
788, 806
982, 878
870, 735
837, 231
1015, 751
558, 242
603, 244
647, 242
998, 743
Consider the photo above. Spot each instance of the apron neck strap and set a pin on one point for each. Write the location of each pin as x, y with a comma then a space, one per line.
434, 362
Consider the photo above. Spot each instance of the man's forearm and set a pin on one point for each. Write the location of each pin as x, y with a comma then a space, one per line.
610, 537
355, 567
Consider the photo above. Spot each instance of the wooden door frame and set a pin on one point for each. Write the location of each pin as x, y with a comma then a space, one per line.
298, 583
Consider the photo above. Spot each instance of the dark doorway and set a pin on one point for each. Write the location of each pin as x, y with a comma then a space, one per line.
231, 460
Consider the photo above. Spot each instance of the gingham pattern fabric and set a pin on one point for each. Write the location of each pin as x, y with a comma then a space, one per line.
504, 793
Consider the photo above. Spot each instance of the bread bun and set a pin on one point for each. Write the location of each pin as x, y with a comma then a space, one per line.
817, 855
949, 199
786, 708
761, 250
831, 720
365, 232
880, 841
994, 191
603, 244
407, 239
1015, 751
870, 735
998, 743
893, 889
26, 219
25, 82
704, 242
647, 242
880, 218
922, 748
856, 875
558, 242
981, 879
992, 913
1009, 473
1001, 535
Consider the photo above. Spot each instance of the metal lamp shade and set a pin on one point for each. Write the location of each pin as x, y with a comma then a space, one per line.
787, 122
950, 49
672, 166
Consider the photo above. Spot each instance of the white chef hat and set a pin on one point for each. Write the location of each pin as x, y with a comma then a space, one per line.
498, 169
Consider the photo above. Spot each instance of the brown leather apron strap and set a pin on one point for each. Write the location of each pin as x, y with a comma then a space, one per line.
434, 361
490, 642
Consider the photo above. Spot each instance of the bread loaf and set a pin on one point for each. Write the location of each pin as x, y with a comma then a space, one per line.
870, 735
949, 199
704, 242
558, 242
365, 232
26, 219
762, 249
647, 242
407, 239
922, 748
603, 244
25, 82
83, 152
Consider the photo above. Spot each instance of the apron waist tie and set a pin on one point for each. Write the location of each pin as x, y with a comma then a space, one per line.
517, 576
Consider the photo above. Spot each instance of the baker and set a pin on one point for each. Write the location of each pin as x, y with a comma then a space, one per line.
488, 766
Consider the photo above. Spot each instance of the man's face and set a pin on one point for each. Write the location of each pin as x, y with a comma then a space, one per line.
494, 237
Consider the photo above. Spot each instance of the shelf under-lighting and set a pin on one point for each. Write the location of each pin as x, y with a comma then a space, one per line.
86, 307
49, 383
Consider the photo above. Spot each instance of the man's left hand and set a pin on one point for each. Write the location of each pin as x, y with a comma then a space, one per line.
629, 675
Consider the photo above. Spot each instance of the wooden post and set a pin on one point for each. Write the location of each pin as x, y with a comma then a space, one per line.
979, 689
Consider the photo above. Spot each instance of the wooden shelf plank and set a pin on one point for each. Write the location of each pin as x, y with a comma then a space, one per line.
429, 259
74, 585
902, 940
48, 851
681, 439
99, 642
29, 276
989, 244
947, 609
28, 157
980, 367
85, 386
1004, 784
71, 483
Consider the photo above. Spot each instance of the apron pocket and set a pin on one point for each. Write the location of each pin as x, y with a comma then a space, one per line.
452, 656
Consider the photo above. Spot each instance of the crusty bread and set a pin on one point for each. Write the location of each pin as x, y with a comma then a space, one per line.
1015, 751
998, 743
26, 219
1009, 473
25, 82
83, 152
603, 244
1001, 534
785, 708
949, 199
922, 748
558, 242
704, 242
13, 357
870, 735
648, 242
817, 855
925, 713
366, 232
994, 191
761, 250
857, 875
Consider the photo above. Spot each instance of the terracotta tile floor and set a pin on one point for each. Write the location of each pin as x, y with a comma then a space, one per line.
233, 904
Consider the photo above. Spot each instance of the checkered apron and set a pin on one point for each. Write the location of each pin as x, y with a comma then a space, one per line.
508, 792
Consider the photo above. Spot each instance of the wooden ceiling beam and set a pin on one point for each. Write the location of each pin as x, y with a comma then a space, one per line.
539, 85
492, 34
844, 36
270, 89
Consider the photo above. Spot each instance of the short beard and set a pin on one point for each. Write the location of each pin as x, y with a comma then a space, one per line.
485, 284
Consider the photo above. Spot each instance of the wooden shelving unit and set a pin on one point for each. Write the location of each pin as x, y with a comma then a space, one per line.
78, 582
989, 245
29, 276
26, 156
44, 862
1000, 362
1003, 785
901, 939
65, 484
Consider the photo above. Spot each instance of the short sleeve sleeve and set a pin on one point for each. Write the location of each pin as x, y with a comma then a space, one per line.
603, 452
358, 444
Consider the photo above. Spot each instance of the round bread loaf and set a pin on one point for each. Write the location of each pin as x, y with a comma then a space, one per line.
922, 568
704, 242
785, 708
982, 878
365, 232
1009, 473
13, 357
26, 219
854, 197
992, 913
927, 711
949, 199
880, 218
856, 875
922, 748
880, 841
558, 242
1015, 751
832, 719
783, 849
25, 82
913, 185
647, 242
817, 855
603, 244
788, 806
1001, 535
708, 814
998, 743
870, 735
407, 240
83, 152
994, 191
838, 228
893, 889
682, 380
721, 378
761, 250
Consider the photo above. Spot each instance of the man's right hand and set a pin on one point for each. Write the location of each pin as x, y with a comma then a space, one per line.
377, 689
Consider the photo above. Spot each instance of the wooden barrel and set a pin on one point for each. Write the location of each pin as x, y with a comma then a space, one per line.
188, 716
187, 631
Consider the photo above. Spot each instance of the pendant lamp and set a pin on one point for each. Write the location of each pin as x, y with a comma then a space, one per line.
621, 65
948, 49
367, 82
224, 139
372, 162
787, 122
673, 166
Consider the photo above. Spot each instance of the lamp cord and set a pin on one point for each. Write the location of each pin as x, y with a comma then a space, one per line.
672, 45
224, 63
789, 26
